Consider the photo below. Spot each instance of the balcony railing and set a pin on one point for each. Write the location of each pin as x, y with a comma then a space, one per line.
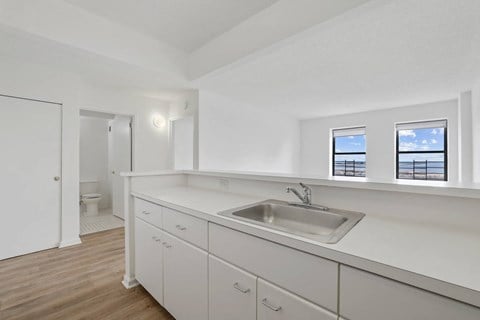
422, 170
350, 168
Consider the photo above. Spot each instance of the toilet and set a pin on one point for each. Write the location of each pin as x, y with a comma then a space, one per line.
90, 197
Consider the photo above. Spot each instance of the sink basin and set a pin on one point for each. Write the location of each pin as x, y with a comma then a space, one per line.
313, 222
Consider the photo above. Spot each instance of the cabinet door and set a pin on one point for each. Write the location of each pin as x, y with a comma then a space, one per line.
149, 258
232, 292
186, 284
274, 303
365, 296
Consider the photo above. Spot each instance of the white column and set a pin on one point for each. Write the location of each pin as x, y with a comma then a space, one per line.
465, 138
476, 132
129, 280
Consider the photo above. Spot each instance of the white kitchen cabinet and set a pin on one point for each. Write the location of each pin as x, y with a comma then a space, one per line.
274, 303
186, 280
309, 276
365, 296
149, 212
149, 258
186, 227
232, 292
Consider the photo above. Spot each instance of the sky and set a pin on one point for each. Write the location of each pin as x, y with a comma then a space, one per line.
431, 139
421, 139
350, 144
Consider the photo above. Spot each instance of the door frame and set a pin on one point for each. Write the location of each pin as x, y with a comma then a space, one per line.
171, 140
62, 185
132, 141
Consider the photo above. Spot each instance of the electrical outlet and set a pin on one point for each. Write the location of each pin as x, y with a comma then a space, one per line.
223, 184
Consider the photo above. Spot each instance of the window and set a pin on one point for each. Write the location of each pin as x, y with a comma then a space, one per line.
349, 152
422, 151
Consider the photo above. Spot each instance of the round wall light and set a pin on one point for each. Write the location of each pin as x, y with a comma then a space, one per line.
158, 121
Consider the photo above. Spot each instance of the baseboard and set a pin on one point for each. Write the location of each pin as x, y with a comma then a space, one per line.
129, 282
70, 242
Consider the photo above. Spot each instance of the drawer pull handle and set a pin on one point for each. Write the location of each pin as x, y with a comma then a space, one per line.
237, 286
269, 306
145, 212
181, 228
166, 245
158, 240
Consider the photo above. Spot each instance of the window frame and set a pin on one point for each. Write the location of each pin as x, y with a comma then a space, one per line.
445, 152
334, 153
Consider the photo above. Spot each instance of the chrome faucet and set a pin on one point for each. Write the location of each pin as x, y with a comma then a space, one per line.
306, 198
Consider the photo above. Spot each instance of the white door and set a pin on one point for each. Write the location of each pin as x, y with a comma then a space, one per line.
232, 292
30, 144
149, 258
121, 160
185, 280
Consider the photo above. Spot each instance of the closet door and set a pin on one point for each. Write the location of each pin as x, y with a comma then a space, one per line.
30, 184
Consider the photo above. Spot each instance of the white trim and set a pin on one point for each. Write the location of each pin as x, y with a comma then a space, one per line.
355, 131
422, 125
70, 242
129, 283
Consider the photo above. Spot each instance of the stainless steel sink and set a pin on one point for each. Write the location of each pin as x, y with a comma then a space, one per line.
313, 222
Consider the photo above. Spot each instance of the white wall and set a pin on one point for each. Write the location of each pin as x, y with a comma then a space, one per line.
316, 138
150, 144
234, 136
23, 78
94, 143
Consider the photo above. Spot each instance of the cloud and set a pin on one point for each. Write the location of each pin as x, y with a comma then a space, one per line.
407, 133
424, 141
437, 131
408, 146
434, 141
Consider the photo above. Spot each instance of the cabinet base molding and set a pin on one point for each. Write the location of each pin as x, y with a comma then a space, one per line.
129, 282
69, 242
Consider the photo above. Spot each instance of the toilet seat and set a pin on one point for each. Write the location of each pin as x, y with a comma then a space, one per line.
91, 195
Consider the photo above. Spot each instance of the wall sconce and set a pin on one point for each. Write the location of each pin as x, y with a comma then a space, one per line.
158, 121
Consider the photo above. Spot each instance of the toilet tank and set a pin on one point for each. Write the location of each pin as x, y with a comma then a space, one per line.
88, 186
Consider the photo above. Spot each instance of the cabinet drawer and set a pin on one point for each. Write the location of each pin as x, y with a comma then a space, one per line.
186, 227
365, 296
309, 276
232, 292
149, 212
274, 303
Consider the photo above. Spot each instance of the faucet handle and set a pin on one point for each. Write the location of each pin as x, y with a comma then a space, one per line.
305, 187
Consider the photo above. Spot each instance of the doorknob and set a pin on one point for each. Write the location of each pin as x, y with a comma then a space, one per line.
56, 178
113, 172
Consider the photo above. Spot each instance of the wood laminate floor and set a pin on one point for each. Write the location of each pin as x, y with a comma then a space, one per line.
79, 282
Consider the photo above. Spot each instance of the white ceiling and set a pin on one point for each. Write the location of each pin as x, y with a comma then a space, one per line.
384, 54
185, 24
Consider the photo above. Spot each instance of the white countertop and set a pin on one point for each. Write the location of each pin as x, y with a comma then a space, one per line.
426, 256
441, 188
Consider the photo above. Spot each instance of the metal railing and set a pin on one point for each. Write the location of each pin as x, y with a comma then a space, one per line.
350, 168
422, 170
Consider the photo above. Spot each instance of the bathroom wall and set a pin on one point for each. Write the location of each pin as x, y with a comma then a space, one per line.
94, 156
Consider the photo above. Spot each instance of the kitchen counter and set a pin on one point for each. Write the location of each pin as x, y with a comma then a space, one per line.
423, 255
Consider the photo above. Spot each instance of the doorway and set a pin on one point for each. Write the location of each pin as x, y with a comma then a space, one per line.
182, 140
105, 152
